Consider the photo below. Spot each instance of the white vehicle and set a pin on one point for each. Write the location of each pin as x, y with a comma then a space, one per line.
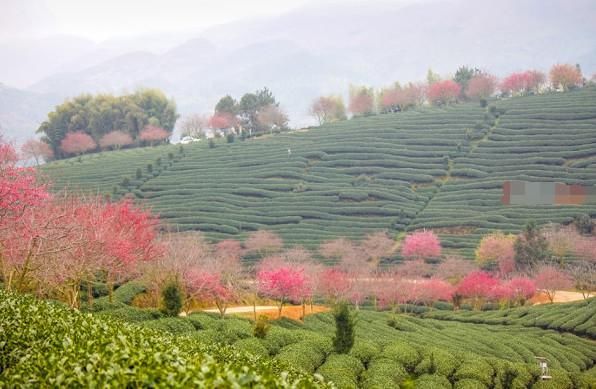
189, 139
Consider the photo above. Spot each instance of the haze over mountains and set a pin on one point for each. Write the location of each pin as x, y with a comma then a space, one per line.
299, 55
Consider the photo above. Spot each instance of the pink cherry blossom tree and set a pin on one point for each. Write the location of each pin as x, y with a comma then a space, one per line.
282, 283
477, 286
550, 279
77, 143
421, 245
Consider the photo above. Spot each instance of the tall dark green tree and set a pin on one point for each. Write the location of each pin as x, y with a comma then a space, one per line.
344, 329
531, 247
227, 105
172, 299
463, 75
249, 107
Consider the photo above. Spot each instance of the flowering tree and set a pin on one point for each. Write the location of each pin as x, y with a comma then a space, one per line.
37, 150
334, 284
455, 268
115, 140
194, 126
327, 109
434, 289
477, 286
550, 279
77, 143
522, 82
481, 86
209, 286
283, 283
376, 246
362, 100
496, 249
421, 245
565, 76
416, 268
583, 273
272, 117
153, 134
222, 120
263, 242
443, 92
522, 289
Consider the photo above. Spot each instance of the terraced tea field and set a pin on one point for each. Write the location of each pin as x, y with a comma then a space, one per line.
434, 168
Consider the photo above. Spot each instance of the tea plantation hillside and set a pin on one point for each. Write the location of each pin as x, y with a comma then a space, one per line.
440, 168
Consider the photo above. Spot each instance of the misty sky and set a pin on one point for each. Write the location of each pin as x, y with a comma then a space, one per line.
103, 19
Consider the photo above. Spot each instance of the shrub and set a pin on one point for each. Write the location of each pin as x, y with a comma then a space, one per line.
127, 292
469, 383
344, 329
174, 325
432, 381
172, 299
253, 346
261, 327
211, 144
306, 355
230, 138
49, 345
403, 353
202, 321
364, 350
383, 373
130, 314
342, 370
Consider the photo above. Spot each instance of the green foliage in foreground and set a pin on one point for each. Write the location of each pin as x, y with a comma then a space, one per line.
44, 344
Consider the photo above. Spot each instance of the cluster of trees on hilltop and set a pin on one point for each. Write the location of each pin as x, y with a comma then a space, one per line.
467, 84
254, 114
88, 123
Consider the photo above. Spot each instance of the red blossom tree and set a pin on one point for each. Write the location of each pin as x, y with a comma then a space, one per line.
477, 286
222, 120
115, 140
77, 143
434, 289
522, 289
522, 82
421, 245
37, 150
565, 76
443, 92
550, 280
416, 268
481, 86
153, 134
283, 283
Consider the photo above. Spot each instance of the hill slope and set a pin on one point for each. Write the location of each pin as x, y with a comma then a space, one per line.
434, 168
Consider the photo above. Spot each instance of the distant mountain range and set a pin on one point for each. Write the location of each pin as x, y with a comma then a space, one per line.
299, 55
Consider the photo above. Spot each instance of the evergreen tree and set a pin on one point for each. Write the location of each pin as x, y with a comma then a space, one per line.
531, 247
344, 329
172, 299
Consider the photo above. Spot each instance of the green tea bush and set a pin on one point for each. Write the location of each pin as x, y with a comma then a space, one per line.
383, 373
475, 369
364, 350
402, 353
253, 346
468, 383
202, 321
49, 345
343, 370
130, 314
174, 325
432, 381
306, 355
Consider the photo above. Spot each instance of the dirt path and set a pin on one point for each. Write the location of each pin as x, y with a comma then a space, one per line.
290, 311
561, 296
